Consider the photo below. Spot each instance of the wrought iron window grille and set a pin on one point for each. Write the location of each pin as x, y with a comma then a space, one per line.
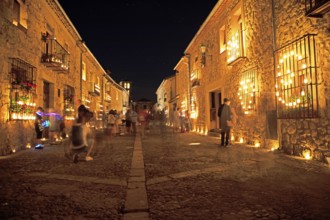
297, 79
22, 74
22, 79
248, 90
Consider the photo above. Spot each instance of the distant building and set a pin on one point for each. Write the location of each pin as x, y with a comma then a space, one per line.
143, 104
126, 84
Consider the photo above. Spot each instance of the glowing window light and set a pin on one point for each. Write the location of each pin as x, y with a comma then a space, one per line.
296, 62
234, 47
248, 84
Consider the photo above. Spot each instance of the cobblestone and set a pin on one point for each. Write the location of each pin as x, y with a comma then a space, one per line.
182, 181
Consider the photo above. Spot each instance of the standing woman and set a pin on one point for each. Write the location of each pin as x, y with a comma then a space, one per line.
225, 121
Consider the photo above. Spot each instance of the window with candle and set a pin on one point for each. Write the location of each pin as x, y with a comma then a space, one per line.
248, 90
297, 79
235, 41
22, 90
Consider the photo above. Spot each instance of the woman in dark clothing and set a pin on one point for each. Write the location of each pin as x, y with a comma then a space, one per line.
225, 115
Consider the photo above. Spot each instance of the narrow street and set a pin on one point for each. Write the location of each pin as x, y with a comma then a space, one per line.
163, 175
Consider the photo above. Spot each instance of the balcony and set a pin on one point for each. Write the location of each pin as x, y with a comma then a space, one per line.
94, 89
107, 97
317, 8
54, 55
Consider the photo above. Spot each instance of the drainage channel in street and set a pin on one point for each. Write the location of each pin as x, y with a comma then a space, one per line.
136, 205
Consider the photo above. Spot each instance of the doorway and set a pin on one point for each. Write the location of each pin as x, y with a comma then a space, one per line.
215, 102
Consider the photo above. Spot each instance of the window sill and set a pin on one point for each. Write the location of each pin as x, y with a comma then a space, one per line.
237, 60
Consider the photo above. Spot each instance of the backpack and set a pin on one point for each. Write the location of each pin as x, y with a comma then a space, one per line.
77, 138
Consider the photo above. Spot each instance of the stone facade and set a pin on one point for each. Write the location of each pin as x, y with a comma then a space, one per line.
166, 96
313, 134
41, 65
235, 54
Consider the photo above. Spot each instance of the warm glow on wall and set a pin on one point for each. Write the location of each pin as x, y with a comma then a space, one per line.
296, 79
234, 49
307, 154
247, 91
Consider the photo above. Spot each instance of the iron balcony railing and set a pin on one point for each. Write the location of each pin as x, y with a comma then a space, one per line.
297, 79
54, 55
317, 8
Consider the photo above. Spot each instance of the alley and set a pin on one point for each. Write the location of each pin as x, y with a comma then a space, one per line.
187, 176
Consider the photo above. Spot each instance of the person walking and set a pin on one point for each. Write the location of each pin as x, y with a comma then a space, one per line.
187, 121
128, 121
134, 119
224, 113
111, 123
82, 138
38, 127
142, 118
176, 119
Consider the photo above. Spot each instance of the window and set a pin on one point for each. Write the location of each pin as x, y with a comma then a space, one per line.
98, 81
68, 95
247, 90
235, 44
83, 71
222, 39
22, 75
165, 97
22, 78
297, 79
20, 13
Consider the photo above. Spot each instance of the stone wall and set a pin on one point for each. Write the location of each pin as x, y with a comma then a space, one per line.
262, 36
313, 134
25, 43
217, 74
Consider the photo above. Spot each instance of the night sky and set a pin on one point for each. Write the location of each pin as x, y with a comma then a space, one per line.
138, 40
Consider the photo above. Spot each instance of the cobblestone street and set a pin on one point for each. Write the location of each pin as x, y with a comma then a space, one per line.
186, 176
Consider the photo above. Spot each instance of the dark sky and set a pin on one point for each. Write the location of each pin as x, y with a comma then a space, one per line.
138, 40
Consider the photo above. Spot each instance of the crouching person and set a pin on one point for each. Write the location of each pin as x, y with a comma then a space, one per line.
82, 137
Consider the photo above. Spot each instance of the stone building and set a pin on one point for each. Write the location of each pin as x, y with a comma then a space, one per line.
268, 57
167, 96
44, 63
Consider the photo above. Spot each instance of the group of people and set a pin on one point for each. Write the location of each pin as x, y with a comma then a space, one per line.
181, 121
82, 137
48, 124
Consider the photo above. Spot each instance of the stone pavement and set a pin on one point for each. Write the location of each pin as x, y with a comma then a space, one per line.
164, 175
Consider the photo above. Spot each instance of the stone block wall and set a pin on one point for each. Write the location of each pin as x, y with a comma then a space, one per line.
25, 43
313, 134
